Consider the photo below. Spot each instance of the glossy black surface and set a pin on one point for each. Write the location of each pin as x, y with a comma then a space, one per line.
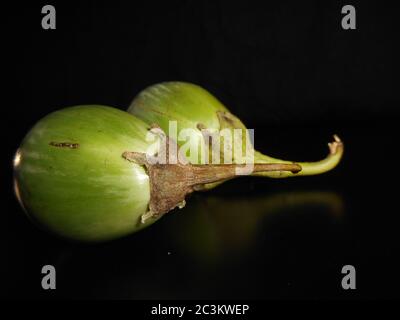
290, 72
250, 238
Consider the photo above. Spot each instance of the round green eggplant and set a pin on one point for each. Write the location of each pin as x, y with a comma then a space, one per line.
71, 179
93, 173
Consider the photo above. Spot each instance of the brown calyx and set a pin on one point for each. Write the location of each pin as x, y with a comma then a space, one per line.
170, 183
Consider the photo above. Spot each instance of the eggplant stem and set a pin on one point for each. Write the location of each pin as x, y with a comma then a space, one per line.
209, 173
336, 149
170, 183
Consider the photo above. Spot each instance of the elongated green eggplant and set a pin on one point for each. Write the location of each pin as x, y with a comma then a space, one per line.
88, 173
193, 107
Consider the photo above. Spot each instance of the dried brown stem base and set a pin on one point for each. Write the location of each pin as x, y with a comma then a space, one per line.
170, 183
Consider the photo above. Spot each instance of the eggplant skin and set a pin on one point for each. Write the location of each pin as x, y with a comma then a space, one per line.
184, 102
71, 178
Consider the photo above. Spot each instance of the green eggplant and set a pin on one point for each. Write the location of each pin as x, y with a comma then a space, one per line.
193, 107
88, 173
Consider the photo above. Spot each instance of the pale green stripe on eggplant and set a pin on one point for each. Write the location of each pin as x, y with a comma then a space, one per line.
89, 192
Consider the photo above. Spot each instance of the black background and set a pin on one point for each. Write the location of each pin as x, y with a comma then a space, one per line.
289, 71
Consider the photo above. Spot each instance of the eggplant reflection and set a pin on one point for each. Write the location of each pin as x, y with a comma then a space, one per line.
206, 239
212, 227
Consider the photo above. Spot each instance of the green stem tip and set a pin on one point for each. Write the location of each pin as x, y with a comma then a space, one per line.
336, 149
